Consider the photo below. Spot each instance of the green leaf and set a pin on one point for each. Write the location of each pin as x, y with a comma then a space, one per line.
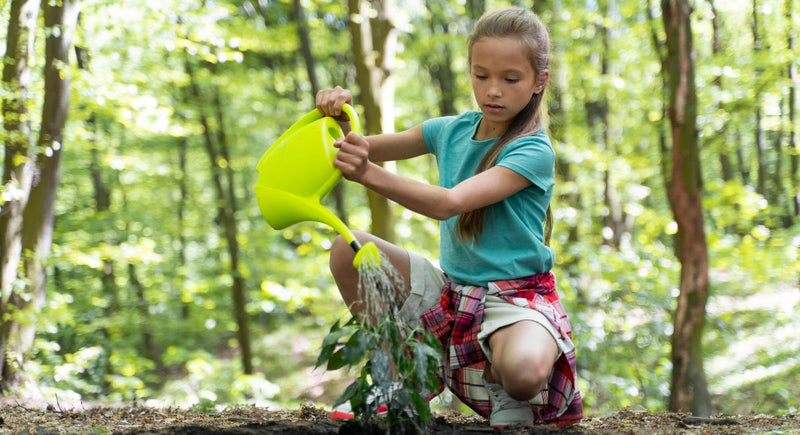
381, 371
357, 347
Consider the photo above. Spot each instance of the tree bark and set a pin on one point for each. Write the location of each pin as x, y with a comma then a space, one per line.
305, 47
794, 138
598, 118
760, 140
149, 347
374, 46
18, 173
689, 388
183, 190
723, 155
40, 210
215, 142
439, 61
304, 38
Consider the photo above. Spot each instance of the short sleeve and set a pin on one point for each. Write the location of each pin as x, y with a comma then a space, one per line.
532, 157
431, 132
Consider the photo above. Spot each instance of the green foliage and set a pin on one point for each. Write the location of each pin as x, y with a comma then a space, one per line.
400, 367
132, 110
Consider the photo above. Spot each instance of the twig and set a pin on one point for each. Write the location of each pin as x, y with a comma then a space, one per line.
59, 405
19, 405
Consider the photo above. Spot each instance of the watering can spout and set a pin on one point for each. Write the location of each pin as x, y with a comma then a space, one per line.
297, 171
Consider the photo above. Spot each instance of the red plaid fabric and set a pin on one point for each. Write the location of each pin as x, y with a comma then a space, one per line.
456, 321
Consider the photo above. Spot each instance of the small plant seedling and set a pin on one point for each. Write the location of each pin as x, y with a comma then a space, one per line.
399, 369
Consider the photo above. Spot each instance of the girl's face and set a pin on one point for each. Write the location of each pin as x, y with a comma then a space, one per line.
503, 81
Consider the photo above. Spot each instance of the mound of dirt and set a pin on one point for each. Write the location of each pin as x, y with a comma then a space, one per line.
18, 419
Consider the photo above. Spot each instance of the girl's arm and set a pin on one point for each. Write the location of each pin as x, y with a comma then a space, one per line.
383, 147
397, 146
436, 202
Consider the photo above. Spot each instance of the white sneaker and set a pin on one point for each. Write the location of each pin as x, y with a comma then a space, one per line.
507, 411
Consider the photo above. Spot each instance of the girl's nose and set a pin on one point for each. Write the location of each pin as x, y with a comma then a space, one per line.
494, 90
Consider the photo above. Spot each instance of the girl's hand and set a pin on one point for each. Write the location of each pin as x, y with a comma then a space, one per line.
330, 101
353, 157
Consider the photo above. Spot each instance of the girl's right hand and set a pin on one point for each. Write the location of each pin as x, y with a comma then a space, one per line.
330, 101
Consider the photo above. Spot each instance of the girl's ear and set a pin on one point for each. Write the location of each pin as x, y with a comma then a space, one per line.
543, 78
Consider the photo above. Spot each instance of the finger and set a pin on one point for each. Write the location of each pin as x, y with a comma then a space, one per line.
355, 150
356, 138
346, 168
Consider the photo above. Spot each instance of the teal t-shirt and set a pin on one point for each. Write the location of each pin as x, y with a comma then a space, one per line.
512, 242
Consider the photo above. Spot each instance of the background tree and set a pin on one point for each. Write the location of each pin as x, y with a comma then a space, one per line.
18, 173
374, 44
689, 388
60, 20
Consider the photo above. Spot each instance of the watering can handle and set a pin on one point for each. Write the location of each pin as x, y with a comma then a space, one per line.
355, 123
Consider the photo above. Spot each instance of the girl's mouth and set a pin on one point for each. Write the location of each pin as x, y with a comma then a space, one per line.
493, 108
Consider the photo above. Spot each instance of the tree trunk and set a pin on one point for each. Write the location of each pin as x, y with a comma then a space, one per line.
374, 46
40, 210
18, 172
149, 347
305, 47
222, 172
102, 200
689, 388
597, 115
311, 69
183, 190
108, 277
439, 61
723, 155
760, 140
794, 140
229, 220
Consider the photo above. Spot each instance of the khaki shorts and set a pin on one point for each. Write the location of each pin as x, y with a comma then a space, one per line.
426, 290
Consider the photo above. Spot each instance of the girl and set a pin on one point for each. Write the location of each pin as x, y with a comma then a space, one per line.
493, 304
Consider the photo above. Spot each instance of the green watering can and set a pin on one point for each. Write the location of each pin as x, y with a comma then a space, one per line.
297, 171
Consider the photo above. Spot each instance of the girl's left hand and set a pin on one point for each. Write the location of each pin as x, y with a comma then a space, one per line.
353, 156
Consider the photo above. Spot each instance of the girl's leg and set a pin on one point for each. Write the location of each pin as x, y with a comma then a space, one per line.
346, 276
523, 354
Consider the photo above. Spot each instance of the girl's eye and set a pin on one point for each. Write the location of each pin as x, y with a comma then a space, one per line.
512, 80
480, 77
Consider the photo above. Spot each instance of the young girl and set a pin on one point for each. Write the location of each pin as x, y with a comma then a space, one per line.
493, 304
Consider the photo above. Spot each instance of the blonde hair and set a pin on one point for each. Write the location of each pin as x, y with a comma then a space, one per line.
528, 29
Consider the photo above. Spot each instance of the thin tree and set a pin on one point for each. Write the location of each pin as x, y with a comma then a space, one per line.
794, 138
726, 166
760, 139
374, 46
689, 388
304, 37
222, 177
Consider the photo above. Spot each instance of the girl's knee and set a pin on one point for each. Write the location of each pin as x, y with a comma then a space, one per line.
524, 374
526, 382
341, 254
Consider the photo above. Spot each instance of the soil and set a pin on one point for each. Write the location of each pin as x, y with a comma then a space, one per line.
16, 418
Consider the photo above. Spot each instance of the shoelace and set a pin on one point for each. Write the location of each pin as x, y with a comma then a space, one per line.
501, 399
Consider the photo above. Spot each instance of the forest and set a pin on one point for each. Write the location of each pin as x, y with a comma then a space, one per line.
137, 267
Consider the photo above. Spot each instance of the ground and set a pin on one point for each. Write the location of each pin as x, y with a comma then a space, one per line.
16, 418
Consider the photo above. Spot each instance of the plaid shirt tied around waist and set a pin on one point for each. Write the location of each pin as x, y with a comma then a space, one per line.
456, 321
